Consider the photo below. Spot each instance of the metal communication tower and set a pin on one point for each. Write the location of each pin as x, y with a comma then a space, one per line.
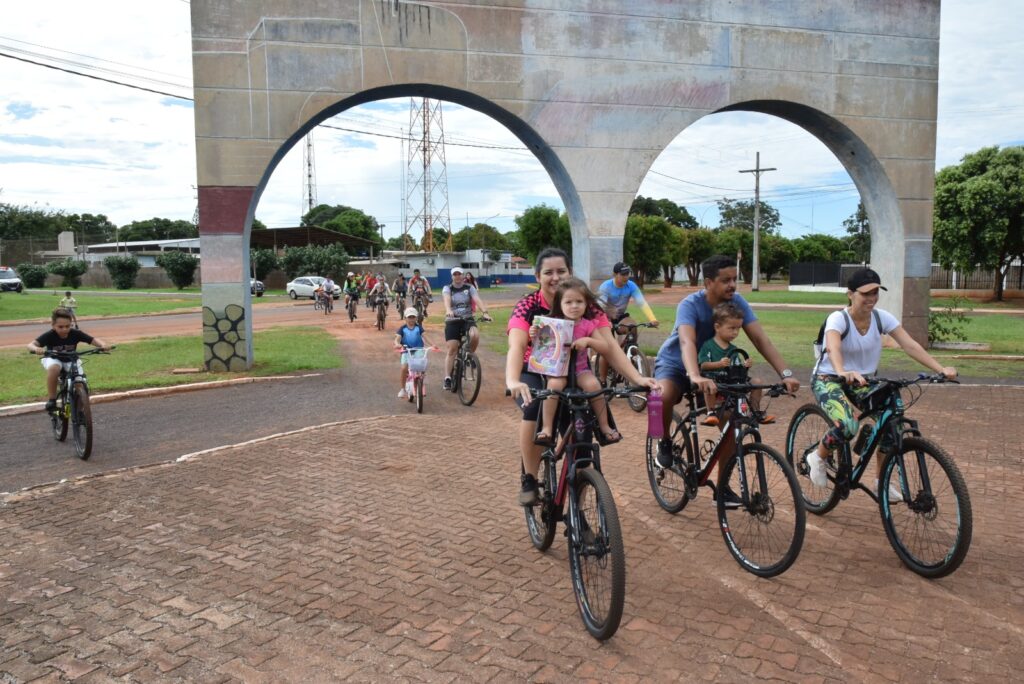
309, 172
426, 191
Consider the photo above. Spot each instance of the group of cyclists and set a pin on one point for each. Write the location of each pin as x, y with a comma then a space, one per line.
373, 286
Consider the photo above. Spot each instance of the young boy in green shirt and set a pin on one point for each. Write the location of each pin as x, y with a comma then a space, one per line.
714, 357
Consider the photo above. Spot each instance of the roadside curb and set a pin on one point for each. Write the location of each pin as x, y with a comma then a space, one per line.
19, 409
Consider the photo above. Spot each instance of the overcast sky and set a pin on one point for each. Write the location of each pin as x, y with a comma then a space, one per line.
85, 146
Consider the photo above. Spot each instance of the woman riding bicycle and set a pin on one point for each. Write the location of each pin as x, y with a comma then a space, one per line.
351, 288
459, 298
853, 348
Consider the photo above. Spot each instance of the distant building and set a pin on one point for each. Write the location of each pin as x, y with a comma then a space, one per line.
146, 251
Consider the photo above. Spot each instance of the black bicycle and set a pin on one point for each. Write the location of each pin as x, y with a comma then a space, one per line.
73, 408
381, 305
353, 303
467, 374
400, 304
760, 511
323, 300
597, 557
923, 499
420, 300
631, 346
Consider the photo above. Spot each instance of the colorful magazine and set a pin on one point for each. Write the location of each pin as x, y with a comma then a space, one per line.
551, 347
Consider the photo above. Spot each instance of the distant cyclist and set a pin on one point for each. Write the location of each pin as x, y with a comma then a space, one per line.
351, 289
379, 289
420, 287
458, 311
614, 295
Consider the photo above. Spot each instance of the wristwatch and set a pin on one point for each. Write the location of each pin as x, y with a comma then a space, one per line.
786, 374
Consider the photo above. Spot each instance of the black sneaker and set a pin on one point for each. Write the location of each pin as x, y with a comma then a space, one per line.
448, 385
528, 493
664, 458
51, 405
731, 498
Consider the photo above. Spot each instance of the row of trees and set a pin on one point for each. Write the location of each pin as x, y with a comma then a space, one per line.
179, 266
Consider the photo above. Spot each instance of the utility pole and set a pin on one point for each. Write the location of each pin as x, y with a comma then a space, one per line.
757, 171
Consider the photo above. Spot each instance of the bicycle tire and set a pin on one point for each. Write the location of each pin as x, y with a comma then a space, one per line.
667, 484
638, 402
806, 430
380, 319
764, 536
81, 421
59, 418
540, 519
597, 559
417, 387
351, 311
914, 526
470, 378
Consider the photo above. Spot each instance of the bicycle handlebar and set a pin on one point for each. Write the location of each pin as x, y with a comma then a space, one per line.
578, 394
70, 356
934, 378
776, 390
635, 325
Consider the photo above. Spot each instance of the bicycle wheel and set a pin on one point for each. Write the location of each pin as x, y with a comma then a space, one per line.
931, 528
540, 519
806, 431
667, 484
351, 311
418, 387
59, 418
597, 560
766, 534
638, 402
470, 378
380, 319
81, 421
328, 305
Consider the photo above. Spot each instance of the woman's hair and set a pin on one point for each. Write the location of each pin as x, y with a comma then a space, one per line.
726, 311
60, 312
551, 253
573, 284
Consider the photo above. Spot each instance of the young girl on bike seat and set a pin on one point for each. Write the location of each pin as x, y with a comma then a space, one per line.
60, 338
575, 302
411, 336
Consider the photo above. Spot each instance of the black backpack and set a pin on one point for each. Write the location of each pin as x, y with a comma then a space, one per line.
819, 344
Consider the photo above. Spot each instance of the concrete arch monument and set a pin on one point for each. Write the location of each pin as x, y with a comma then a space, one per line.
597, 89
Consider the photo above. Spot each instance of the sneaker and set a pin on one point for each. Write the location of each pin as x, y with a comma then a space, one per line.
895, 495
817, 466
664, 458
763, 418
528, 494
51, 405
710, 420
402, 394
448, 384
732, 500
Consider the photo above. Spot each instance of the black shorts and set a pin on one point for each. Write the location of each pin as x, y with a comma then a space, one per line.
454, 327
535, 381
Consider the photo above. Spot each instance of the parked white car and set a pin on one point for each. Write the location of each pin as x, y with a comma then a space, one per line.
304, 286
9, 280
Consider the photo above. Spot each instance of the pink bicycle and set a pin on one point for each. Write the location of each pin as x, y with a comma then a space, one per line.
417, 360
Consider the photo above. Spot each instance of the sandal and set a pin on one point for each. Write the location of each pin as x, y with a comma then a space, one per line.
610, 437
542, 438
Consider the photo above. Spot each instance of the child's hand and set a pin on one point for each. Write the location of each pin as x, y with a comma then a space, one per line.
534, 329
748, 363
724, 363
582, 343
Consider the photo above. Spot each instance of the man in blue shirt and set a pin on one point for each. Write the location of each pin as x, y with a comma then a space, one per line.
676, 367
614, 295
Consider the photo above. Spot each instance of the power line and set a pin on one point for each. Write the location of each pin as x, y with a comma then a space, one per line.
97, 78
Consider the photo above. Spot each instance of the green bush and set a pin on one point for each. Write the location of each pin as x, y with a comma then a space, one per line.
123, 270
180, 267
263, 262
32, 275
949, 324
70, 270
315, 260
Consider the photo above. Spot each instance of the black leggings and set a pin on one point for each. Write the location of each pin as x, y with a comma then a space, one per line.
535, 381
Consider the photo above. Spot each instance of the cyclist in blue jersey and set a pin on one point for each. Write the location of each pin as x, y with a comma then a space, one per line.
614, 295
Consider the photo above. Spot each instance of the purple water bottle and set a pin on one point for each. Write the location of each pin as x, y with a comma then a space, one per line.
655, 428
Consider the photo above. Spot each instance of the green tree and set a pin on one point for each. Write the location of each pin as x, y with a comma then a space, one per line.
979, 212
70, 270
315, 260
263, 262
542, 226
730, 241
645, 243
665, 208
479, 236
700, 244
821, 247
858, 230
776, 255
675, 254
440, 238
19, 222
32, 275
158, 229
179, 266
258, 225
123, 270
91, 227
355, 222
740, 214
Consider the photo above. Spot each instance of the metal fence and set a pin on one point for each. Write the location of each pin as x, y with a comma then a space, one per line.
951, 279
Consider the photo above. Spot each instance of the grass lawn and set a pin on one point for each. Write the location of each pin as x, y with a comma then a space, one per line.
33, 305
148, 363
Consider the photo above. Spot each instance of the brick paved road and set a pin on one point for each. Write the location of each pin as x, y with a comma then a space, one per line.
355, 552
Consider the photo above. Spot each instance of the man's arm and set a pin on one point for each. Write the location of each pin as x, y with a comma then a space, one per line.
764, 345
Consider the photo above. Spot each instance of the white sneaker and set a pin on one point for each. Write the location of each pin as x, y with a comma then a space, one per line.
402, 394
895, 495
817, 466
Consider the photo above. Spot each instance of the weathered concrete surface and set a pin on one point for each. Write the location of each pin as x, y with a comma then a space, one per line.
597, 90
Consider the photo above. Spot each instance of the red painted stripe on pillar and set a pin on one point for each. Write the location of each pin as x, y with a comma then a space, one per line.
222, 209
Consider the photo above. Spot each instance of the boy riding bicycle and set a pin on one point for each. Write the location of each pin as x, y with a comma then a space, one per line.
60, 338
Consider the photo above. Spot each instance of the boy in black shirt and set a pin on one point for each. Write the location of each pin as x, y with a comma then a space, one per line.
61, 338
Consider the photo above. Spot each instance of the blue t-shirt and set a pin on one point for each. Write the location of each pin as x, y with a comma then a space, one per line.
615, 299
695, 311
411, 337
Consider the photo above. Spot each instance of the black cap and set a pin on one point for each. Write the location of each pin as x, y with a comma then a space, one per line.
862, 277
621, 268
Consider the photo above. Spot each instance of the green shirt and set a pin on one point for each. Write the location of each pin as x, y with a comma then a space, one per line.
710, 351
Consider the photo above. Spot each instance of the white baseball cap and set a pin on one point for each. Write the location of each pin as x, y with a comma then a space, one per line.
456, 270
411, 311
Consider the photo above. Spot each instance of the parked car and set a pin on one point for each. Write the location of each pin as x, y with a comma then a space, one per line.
256, 287
9, 280
304, 286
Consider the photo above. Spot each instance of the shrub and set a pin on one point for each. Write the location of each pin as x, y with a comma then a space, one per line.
70, 270
180, 267
32, 275
263, 262
315, 260
123, 270
948, 324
